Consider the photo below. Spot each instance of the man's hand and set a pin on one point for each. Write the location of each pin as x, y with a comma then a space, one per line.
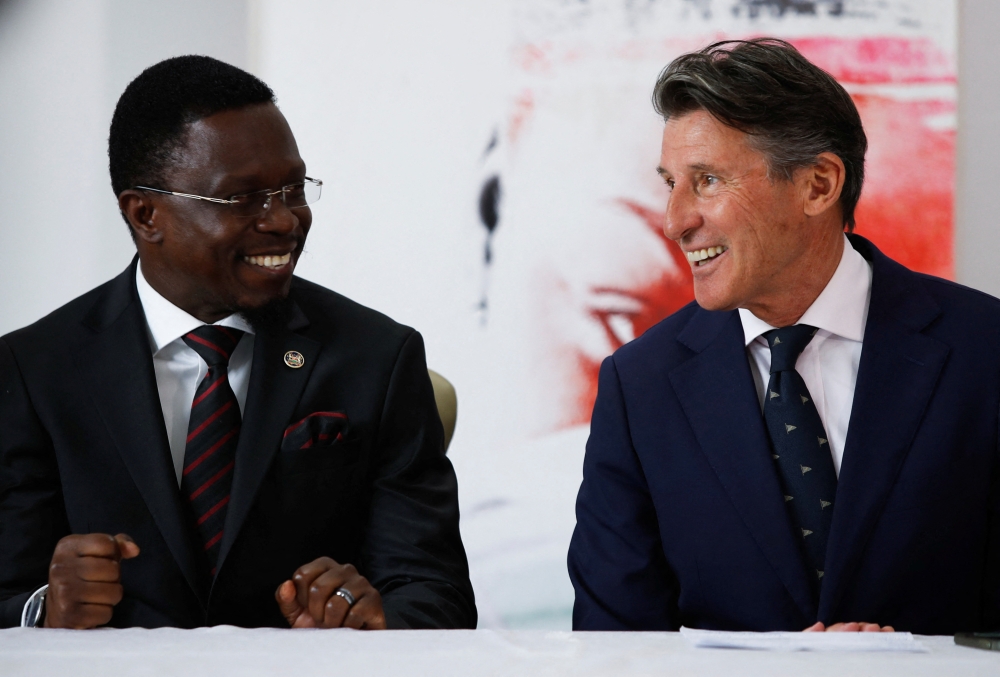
849, 627
309, 600
85, 579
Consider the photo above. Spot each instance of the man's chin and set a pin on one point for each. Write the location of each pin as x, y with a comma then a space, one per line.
270, 316
710, 300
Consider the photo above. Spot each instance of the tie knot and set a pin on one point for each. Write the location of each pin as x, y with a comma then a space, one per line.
787, 344
215, 344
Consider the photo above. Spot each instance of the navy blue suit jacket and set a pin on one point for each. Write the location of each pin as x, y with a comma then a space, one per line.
680, 519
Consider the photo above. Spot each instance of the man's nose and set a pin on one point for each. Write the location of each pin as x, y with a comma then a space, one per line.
682, 214
277, 217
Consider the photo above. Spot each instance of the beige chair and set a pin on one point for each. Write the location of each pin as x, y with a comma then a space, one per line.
447, 404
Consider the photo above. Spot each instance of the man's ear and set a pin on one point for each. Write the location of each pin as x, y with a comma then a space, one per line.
822, 183
138, 208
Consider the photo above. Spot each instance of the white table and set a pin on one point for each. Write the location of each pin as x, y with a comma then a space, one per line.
226, 651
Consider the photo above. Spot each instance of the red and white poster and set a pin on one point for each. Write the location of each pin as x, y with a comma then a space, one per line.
534, 248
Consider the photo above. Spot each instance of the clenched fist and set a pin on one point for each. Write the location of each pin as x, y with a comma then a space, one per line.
85, 579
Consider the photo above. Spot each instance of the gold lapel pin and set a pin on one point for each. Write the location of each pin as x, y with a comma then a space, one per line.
294, 359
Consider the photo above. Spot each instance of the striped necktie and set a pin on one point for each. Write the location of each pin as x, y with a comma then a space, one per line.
213, 432
801, 448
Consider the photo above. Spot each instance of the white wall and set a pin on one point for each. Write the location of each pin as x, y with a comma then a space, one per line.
63, 64
977, 197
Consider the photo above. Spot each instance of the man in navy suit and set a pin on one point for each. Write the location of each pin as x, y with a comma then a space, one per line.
813, 443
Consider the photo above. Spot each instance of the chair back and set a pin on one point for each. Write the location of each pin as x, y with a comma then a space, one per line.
447, 404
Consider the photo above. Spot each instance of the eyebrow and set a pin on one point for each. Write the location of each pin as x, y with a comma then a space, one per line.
697, 167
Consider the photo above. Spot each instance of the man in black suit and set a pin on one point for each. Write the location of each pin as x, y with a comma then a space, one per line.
207, 439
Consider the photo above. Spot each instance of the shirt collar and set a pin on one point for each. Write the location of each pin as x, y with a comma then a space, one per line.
840, 309
166, 322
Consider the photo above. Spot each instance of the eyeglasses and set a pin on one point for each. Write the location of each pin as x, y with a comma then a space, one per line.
294, 196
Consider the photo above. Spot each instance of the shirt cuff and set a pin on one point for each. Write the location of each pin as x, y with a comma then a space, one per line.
34, 608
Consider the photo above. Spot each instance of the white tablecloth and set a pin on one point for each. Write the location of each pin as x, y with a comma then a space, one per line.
248, 653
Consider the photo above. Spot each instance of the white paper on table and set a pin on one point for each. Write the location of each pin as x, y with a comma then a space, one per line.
803, 641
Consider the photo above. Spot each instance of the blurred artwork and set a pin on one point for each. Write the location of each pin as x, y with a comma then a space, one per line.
573, 207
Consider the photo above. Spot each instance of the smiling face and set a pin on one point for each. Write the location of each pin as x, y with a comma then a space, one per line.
745, 235
203, 257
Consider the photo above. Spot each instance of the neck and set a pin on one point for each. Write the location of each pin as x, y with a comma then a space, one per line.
166, 287
801, 286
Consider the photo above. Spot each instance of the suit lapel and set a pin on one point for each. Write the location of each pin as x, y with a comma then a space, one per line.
896, 378
273, 393
717, 393
115, 363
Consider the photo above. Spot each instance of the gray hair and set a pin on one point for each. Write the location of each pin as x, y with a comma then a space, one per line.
791, 109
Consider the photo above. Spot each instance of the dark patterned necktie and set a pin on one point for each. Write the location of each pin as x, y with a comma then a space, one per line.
801, 449
213, 432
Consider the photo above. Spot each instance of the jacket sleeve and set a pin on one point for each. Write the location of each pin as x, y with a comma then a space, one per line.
413, 551
32, 514
616, 559
990, 613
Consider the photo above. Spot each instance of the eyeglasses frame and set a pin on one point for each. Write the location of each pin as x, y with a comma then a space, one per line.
231, 200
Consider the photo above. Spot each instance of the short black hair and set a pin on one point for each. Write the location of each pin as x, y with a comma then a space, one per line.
792, 109
154, 110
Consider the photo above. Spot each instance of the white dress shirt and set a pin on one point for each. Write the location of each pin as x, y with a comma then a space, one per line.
179, 369
829, 364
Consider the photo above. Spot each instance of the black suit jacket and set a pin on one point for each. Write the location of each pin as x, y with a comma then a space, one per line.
83, 449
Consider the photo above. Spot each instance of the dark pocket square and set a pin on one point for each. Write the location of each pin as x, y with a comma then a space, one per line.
319, 429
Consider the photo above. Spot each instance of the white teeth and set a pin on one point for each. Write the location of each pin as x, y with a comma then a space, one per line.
698, 255
269, 261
